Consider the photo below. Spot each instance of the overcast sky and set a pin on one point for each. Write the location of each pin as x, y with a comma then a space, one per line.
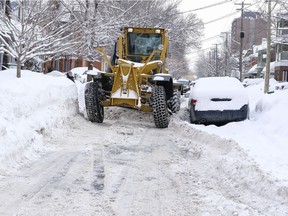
208, 15
213, 13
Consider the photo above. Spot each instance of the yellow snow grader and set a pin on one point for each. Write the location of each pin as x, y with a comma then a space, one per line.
137, 77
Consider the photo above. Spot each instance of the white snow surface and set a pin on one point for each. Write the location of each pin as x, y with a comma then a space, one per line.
30, 107
54, 162
264, 135
81, 70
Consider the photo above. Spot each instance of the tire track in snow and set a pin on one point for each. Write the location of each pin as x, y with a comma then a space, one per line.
179, 171
61, 182
124, 167
235, 177
37, 182
144, 182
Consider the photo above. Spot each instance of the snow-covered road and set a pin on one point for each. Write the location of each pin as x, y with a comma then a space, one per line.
127, 167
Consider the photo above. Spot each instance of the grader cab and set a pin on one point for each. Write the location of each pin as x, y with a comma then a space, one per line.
137, 77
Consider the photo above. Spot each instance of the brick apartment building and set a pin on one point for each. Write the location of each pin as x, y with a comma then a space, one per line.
254, 27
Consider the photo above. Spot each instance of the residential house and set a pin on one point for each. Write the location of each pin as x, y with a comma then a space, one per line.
62, 62
281, 64
6, 60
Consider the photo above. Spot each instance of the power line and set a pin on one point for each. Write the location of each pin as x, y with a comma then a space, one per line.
205, 7
228, 15
223, 17
200, 50
210, 38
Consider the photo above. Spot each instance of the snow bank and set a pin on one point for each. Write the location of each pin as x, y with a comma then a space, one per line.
226, 158
264, 136
31, 106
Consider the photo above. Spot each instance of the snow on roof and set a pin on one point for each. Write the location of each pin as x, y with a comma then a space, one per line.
281, 63
255, 81
182, 79
253, 69
56, 73
262, 46
272, 68
81, 70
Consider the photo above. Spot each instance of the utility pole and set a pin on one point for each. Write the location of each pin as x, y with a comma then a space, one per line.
226, 53
267, 73
216, 59
241, 40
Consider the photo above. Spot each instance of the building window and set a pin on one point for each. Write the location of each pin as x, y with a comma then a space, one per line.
283, 23
65, 64
70, 63
57, 64
285, 76
12, 62
282, 52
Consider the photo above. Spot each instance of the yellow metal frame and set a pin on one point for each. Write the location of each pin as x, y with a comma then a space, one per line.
130, 76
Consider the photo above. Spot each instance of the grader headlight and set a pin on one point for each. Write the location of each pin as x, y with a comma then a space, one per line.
130, 29
157, 31
160, 47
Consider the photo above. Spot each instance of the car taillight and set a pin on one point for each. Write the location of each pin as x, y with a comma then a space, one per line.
193, 102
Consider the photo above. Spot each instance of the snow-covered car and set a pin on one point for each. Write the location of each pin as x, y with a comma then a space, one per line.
218, 100
185, 85
80, 73
56, 73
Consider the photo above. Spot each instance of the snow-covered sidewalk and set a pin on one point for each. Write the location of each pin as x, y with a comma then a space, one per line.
264, 136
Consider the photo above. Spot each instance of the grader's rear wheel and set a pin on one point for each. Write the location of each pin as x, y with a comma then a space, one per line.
174, 102
95, 111
159, 105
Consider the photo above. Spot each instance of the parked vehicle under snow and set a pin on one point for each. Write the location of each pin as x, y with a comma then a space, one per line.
218, 100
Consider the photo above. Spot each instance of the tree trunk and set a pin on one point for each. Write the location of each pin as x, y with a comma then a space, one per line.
18, 69
8, 8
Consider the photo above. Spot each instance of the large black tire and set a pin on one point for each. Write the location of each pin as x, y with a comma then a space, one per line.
174, 102
95, 111
159, 105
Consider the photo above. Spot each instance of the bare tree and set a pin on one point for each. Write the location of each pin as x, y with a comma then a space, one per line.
185, 30
205, 65
30, 32
48, 27
101, 23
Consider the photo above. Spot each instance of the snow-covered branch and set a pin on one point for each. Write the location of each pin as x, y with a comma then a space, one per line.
32, 32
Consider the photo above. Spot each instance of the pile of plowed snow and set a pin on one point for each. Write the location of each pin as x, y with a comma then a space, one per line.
31, 106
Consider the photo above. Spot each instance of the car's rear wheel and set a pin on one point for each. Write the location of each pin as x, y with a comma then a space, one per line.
192, 116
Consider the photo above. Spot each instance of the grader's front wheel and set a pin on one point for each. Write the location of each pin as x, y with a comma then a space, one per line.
159, 105
95, 111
